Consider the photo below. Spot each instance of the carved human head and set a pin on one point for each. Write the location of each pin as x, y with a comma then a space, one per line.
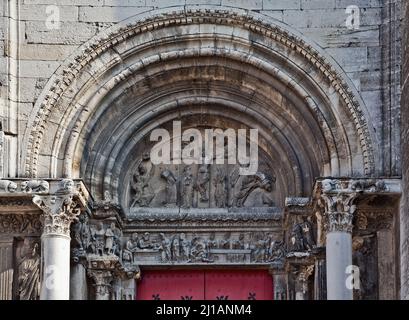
12, 187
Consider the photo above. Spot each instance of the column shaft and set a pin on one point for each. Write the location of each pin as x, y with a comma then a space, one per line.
339, 257
56, 273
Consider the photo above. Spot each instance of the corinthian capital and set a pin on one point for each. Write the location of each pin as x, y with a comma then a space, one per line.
102, 283
59, 209
337, 203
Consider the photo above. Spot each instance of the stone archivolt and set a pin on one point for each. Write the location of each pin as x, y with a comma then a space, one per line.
182, 82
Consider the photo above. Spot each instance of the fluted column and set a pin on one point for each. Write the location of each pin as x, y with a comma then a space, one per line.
59, 211
338, 213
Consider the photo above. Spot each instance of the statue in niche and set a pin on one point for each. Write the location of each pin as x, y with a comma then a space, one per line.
364, 256
165, 248
296, 241
170, 190
220, 192
109, 240
117, 239
141, 190
225, 243
308, 235
239, 243
251, 183
187, 180
202, 182
302, 236
81, 237
29, 275
130, 247
98, 243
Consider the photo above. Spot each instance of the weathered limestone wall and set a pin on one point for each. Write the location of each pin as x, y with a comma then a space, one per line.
404, 218
361, 53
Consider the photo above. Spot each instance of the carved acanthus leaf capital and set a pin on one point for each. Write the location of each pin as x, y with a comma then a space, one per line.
102, 283
59, 209
338, 206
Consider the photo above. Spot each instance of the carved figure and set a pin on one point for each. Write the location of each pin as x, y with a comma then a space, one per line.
98, 239
308, 236
225, 243
81, 237
296, 238
175, 248
239, 243
220, 192
35, 186
130, 247
187, 180
165, 248
249, 184
202, 182
185, 247
146, 243
276, 252
8, 186
259, 251
109, 241
29, 275
142, 192
170, 197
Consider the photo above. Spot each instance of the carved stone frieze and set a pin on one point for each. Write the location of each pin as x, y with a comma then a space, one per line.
25, 224
372, 219
196, 186
214, 247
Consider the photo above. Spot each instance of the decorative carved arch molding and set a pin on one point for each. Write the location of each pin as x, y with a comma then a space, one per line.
225, 66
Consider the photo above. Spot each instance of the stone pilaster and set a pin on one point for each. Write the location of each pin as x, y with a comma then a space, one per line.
59, 211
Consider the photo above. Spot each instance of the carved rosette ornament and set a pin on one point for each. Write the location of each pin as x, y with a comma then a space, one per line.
59, 210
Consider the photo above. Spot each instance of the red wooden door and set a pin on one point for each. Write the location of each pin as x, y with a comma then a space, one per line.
238, 285
205, 285
171, 285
